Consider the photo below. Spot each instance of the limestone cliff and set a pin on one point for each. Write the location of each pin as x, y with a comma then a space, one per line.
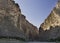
9, 15
50, 29
53, 19
13, 23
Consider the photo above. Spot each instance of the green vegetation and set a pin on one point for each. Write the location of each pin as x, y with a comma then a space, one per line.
13, 38
54, 40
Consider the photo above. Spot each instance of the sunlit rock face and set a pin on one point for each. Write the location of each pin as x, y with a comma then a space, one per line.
10, 10
50, 29
53, 19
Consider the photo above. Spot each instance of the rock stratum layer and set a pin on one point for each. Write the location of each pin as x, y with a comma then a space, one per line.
50, 29
14, 24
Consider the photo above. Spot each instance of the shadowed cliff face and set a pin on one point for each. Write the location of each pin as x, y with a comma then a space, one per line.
50, 29
31, 31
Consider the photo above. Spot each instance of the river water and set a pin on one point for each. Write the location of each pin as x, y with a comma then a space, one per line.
17, 41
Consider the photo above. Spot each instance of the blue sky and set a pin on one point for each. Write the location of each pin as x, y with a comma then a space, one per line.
36, 11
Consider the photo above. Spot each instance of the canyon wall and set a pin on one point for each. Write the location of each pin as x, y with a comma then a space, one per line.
14, 24
50, 29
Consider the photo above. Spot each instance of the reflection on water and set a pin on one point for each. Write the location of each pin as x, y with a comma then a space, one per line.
43, 42
24, 42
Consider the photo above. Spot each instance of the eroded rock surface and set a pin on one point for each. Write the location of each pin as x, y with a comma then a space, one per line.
50, 29
14, 24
